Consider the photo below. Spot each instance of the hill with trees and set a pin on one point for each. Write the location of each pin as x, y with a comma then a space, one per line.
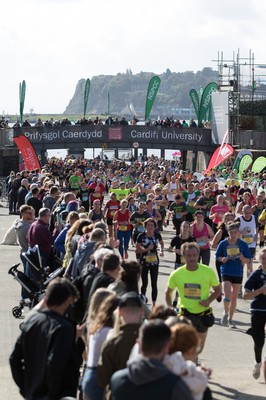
127, 89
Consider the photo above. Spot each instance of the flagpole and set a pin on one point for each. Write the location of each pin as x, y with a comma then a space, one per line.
222, 144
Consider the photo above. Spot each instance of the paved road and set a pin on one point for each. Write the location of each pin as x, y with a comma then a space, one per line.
228, 352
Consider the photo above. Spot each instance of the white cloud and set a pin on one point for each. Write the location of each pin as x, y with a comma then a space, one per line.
52, 44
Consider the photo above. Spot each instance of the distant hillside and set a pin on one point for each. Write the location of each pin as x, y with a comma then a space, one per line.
126, 89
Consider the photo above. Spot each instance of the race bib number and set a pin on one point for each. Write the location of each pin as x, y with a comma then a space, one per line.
122, 227
178, 215
192, 291
96, 194
85, 197
248, 238
151, 259
233, 252
202, 243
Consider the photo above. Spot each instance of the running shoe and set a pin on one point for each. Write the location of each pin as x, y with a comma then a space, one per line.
232, 324
224, 319
256, 371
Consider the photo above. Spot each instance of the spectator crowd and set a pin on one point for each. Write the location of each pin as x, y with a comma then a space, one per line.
100, 318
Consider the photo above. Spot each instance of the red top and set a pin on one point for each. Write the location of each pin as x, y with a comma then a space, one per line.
203, 243
112, 207
98, 191
123, 221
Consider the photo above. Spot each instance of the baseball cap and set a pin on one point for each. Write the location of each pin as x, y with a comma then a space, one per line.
130, 299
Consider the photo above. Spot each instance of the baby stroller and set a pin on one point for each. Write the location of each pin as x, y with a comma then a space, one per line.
35, 283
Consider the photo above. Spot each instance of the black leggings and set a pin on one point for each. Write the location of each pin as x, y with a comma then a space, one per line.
153, 269
258, 322
205, 256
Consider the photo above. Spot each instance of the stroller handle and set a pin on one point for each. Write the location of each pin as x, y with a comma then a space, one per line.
13, 269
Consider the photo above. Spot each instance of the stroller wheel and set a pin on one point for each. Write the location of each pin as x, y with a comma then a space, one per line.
17, 312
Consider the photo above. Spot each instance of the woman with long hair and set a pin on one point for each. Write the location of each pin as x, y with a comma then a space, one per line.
71, 241
98, 329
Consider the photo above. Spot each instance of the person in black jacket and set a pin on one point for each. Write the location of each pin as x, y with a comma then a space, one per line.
22, 192
43, 360
13, 188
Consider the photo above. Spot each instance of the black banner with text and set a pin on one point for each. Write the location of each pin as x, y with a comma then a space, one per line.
97, 135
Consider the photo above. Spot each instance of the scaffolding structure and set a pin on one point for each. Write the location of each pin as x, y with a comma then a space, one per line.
243, 80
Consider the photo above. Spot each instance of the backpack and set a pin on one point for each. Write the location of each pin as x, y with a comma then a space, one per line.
83, 284
82, 257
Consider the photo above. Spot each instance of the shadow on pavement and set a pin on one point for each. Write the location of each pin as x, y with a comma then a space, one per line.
229, 393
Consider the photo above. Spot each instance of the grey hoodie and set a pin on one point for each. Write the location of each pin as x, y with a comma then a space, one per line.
21, 228
146, 378
143, 370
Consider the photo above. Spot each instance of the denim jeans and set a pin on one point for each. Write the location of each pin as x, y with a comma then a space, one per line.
91, 389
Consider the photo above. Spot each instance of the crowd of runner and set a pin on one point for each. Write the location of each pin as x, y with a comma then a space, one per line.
88, 214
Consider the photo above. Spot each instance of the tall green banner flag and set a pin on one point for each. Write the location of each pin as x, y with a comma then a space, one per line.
108, 103
86, 95
195, 101
22, 93
151, 94
245, 162
205, 102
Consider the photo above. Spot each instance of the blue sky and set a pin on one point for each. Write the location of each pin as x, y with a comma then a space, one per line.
54, 43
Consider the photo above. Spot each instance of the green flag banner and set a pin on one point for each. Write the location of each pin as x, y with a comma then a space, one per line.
205, 102
259, 164
245, 162
201, 91
22, 93
86, 94
195, 101
151, 94
239, 157
108, 103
